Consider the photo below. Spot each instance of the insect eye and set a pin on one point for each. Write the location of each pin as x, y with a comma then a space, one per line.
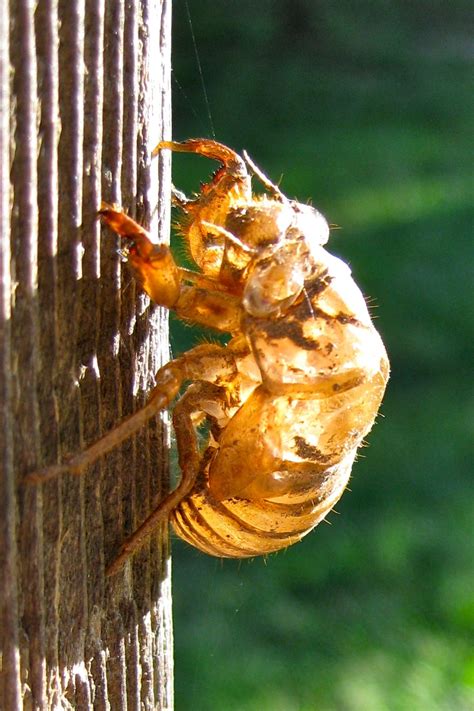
272, 286
310, 223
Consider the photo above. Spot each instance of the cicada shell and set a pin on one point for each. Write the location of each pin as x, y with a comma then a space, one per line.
310, 368
290, 398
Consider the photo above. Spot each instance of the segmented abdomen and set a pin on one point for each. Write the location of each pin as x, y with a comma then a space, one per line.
241, 528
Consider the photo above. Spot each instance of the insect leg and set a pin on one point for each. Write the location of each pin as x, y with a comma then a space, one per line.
168, 381
193, 402
206, 362
233, 163
202, 301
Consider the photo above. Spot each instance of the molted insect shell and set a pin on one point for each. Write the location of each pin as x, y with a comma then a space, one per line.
292, 395
310, 386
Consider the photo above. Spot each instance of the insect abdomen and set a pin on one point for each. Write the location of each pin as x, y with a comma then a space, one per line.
242, 528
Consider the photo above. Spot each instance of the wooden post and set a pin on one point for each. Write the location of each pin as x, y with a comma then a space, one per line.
84, 97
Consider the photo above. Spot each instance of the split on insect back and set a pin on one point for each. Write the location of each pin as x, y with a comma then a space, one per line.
290, 398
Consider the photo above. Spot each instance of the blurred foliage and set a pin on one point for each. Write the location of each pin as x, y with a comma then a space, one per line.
367, 108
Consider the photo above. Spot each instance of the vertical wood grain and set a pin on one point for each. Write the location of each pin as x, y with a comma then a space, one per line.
84, 97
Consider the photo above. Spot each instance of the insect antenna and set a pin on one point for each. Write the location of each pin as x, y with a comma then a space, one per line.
266, 182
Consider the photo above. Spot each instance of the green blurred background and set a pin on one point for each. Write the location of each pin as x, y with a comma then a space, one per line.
367, 108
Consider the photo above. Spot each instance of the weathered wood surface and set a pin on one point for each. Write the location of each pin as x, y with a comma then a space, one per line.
84, 95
